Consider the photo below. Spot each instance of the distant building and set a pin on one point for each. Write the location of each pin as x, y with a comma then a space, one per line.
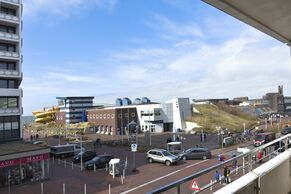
276, 100
287, 102
72, 108
154, 117
209, 101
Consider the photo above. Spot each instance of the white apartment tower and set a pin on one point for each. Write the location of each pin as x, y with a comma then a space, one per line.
10, 70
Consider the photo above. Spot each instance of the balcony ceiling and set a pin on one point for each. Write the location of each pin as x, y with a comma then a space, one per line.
272, 17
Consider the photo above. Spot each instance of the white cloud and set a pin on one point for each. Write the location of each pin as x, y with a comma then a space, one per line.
61, 8
169, 29
71, 77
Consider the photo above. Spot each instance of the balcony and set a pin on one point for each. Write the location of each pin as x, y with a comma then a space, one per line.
9, 36
9, 18
9, 73
11, 1
10, 92
10, 111
9, 55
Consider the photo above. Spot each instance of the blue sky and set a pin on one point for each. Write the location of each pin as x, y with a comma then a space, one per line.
161, 49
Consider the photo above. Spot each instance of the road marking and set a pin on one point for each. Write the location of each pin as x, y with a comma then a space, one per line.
162, 177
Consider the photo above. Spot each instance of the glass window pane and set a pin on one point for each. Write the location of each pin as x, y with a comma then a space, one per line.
3, 102
3, 83
1, 126
12, 102
3, 65
11, 84
14, 125
11, 66
7, 125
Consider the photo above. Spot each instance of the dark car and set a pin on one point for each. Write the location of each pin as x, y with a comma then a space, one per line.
86, 156
195, 153
286, 131
99, 161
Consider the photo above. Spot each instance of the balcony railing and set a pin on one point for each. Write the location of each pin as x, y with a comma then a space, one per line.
9, 54
10, 111
11, 1
9, 36
9, 72
9, 17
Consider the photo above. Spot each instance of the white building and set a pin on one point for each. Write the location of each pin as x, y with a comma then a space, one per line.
10, 70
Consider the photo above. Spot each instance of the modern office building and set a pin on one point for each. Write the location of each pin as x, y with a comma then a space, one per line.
155, 117
10, 70
72, 109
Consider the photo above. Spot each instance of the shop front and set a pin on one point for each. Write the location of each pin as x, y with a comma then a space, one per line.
24, 170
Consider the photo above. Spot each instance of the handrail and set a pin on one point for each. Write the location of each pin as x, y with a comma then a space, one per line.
177, 183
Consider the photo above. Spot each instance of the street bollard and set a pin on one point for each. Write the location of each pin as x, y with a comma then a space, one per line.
65, 162
85, 189
109, 189
236, 170
94, 167
53, 159
121, 178
210, 185
106, 167
59, 161
64, 188
72, 165
41, 188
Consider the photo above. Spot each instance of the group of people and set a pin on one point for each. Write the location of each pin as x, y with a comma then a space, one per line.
226, 174
34, 137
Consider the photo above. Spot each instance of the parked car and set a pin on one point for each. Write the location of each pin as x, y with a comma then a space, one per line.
41, 143
286, 131
263, 138
99, 161
86, 156
162, 156
195, 153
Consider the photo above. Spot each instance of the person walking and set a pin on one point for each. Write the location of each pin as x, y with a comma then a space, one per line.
260, 156
226, 173
217, 176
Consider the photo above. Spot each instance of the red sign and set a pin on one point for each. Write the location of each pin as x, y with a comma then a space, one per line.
25, 160
195, 186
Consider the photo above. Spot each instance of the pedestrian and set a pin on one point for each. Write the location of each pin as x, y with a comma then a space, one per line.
177, 139
37, 136
201, 137
226, 173
217, 176
260, 155
31, 137
204, 137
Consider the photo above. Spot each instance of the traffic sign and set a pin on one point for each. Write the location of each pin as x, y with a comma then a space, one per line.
195, 186
134, 147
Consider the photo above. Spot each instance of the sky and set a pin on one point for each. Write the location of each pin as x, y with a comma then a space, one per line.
161, 49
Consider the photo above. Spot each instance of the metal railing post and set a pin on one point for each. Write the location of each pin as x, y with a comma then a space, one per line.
178, 190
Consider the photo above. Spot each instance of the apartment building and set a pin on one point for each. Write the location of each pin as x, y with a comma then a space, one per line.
10, 70
20, 162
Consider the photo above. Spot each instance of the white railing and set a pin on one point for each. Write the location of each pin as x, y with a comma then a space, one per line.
9, 111
9, 17
9, 72
12, 1
9, 54
9, 36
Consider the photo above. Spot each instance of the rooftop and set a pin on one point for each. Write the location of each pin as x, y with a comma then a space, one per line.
7, 148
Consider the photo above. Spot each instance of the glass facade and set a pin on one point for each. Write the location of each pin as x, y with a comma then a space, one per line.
26, 170
9, 127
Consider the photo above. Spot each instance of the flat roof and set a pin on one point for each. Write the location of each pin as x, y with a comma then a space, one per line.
270, 17
7, 148
75, 97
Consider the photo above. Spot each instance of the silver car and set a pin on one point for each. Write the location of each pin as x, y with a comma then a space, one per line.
162, 156
195, 153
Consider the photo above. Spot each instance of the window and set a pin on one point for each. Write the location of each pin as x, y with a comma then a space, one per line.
112, 116
8, 84
10, 102
104, 116
15, 125
126, 115
7, 47
8, 11
108, 116
7, 125
132, 114
119, 115
97, 116
1, 126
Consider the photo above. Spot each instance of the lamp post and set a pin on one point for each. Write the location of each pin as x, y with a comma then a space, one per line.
81, 145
